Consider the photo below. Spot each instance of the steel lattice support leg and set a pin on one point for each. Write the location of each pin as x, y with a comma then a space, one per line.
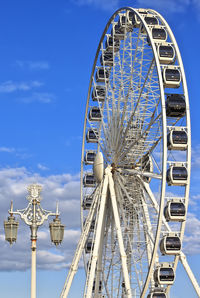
119, 235
79, 250
98, 236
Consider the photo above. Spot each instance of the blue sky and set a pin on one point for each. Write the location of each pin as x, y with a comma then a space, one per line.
47, 50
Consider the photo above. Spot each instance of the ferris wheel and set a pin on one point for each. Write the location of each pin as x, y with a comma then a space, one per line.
136, 159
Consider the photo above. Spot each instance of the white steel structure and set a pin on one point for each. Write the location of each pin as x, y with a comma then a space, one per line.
137, 126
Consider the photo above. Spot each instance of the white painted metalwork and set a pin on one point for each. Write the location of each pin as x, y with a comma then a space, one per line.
34, 216
132, 130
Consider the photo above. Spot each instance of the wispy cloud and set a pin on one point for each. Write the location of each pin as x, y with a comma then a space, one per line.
166, 6
102, 4
7, 149
42, 167
11, 86
41, 97
192, 235
33, 65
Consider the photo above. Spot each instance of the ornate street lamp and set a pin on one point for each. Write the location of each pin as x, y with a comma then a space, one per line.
34, 216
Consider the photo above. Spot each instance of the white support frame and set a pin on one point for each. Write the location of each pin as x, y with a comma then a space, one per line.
81, 244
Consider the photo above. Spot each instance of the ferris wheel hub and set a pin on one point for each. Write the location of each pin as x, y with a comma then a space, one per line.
98, 167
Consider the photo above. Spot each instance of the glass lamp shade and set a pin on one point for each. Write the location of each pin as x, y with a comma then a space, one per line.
56, 231
10, 228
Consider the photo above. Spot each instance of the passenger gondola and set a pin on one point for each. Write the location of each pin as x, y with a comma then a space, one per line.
94, 114
159, 34
177, 175
170, 245
125, 24
177, 139
164, 275
99, 93
166, 53
88, 246
149, 20
175, 210
116, 32
175, 105
135, 20
171, 77
89, 157
87, 202
102, 75
157, 293
112, 44
89, 180
106, 58
92, 136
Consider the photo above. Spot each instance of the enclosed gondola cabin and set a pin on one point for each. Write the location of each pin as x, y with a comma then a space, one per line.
89, 180
88, 246
175, 105
124, 24
106, 58
87, 202
171, 77
112, 44
177, 175
177, 139
94, 114
92, 136
175, 210
135, 20
102, 75
89, 157
91, 226
116, 32
99, 93
170, 245
157, 294
149, 20
164, 275
158, 33
166, 53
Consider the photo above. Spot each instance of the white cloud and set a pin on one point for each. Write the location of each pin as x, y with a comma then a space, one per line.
42, 167
191, 244
10, 86
33, 65
42, 97
7, 149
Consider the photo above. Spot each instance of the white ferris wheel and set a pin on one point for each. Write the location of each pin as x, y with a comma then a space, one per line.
136, 159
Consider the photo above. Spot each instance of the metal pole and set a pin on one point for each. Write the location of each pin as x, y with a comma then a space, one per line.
33, 249
33, 268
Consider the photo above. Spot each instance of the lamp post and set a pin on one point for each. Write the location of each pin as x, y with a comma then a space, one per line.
34, 216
